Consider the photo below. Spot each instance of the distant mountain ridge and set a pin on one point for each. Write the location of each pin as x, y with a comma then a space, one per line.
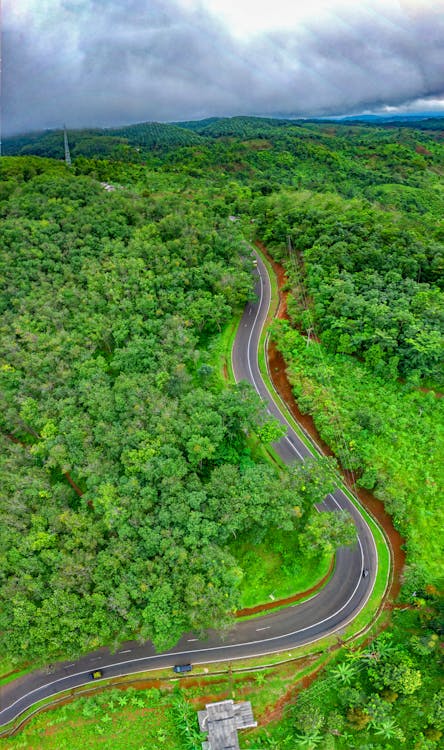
240, 126
125, 142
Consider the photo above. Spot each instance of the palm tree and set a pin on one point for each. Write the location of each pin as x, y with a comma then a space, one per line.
345, 671
354, 654
309, 741
381, 649
386, 729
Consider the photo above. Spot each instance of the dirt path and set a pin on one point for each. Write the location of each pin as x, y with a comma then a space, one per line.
278, 372
275, 712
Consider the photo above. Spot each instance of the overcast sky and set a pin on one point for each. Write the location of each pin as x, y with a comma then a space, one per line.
110, 62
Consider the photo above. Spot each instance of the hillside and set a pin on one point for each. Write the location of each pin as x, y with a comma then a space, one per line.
134, 474
110, 142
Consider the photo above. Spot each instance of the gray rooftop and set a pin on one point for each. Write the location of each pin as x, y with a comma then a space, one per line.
222, 721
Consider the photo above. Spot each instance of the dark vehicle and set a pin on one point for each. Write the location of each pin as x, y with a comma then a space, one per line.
365, 573
178, 668
96, 675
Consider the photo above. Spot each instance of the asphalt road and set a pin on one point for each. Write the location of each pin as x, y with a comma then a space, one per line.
327, 612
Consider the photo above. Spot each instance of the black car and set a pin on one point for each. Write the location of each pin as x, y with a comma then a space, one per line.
178, 668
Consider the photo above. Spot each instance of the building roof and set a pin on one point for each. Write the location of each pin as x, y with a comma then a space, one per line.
222, 721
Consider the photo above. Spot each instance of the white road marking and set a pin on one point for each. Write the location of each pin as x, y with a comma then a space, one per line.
290, 442
191, 640
225, 647
216, 648
250, 336
259, 629
127, 651
308, 599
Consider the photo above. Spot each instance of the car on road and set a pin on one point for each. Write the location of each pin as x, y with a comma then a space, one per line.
96, 675
179, 668
365, 573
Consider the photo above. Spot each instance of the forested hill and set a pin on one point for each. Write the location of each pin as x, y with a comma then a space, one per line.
128, 465
116, 439
297, 140
119, 143
124, 467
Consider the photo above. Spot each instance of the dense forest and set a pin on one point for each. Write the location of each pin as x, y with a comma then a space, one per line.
126, 463
125, 467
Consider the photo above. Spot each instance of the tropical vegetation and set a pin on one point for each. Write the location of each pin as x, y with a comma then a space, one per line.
132, 493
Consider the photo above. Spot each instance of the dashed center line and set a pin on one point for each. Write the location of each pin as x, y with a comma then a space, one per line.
211, 649
127, 651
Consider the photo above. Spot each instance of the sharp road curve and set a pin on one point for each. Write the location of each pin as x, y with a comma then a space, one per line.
327, 612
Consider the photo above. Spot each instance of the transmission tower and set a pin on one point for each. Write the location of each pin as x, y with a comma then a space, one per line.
67, 154
1, 80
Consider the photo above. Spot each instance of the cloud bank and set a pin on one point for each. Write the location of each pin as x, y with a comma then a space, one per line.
108, 62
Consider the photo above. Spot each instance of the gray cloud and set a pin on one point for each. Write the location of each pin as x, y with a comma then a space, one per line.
107, 62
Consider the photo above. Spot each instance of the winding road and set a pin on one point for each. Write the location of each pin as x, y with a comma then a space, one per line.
329, 611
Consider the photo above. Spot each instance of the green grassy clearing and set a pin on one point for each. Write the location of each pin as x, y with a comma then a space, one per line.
10, 670
114, 720
221, 348
8, 665
261, 451
274, 568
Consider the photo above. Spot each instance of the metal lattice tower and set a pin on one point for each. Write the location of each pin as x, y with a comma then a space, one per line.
1, 78
67, 153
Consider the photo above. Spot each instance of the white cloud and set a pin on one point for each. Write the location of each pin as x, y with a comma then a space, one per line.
106, 62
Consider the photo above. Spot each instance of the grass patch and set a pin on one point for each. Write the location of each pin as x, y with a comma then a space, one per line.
222, 346
8, 665
274, 568
113, 720
262, 452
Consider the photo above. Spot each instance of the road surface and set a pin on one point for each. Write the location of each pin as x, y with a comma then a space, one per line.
329, 611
